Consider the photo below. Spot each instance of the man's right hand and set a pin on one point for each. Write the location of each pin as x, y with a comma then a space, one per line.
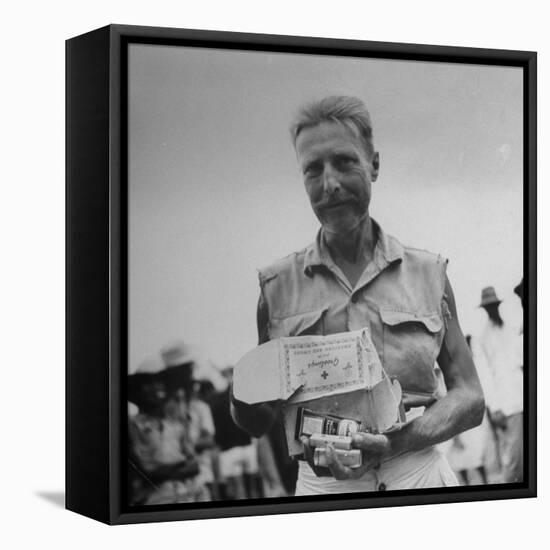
255, 419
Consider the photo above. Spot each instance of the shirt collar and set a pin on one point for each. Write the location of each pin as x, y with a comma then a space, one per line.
386, 251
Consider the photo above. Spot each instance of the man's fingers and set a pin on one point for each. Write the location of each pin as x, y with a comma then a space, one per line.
337, 469
374, 444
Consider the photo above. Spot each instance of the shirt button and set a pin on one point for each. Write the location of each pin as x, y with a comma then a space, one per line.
382, 487
354, 298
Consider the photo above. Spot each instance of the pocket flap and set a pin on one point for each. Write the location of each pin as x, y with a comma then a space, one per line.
432, 321
296, 325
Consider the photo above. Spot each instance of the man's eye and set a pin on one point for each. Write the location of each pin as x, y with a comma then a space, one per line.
312, 170
345, 162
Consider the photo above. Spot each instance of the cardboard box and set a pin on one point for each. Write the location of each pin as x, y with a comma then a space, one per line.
338, 374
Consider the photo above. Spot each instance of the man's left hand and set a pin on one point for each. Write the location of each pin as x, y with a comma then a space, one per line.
374, 448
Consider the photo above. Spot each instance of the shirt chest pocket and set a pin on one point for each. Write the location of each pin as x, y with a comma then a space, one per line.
299, 324
411, 343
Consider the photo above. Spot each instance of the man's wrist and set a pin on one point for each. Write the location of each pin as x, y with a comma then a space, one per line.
398, 442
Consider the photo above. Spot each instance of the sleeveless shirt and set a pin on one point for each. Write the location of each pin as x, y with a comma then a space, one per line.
399, 297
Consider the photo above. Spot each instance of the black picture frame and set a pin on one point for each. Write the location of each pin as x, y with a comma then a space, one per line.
96, 269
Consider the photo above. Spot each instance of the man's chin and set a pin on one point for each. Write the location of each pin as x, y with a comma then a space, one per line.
340, 227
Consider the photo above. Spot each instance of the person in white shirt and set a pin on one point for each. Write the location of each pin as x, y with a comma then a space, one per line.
502, 379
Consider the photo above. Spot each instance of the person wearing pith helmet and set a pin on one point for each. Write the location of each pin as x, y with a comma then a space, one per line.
497, 357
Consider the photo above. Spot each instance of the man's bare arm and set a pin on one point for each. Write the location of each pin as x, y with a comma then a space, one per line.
461, 409
463, 406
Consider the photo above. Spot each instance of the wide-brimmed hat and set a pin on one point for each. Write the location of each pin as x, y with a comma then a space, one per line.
519, 289
177, 353
489, 296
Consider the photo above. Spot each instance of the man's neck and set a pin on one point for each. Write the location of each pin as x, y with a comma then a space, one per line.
354, 247
353, 251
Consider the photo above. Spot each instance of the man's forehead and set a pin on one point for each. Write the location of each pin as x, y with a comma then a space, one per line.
334, 135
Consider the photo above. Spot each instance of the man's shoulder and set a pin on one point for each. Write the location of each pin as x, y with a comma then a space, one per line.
291, 262
394, 249
422, 256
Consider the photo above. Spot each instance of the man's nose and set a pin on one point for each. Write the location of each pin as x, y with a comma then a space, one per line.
331, 183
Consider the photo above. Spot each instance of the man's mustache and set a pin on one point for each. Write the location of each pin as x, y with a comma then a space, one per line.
335, 201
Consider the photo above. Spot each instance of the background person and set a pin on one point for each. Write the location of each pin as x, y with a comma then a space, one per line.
163, 467
192, 412
467, 451
518, 290
497, 356
238, 453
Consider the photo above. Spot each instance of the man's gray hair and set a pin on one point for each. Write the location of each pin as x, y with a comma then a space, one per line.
347, 110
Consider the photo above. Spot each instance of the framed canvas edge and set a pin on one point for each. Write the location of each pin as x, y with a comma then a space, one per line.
530, 264
119, 37
293, 505
87, 366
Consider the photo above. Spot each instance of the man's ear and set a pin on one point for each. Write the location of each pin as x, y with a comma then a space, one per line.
375, 165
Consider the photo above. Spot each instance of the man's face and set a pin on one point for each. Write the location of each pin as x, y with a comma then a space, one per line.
338, 174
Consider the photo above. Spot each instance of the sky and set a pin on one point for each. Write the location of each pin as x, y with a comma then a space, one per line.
215, 192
